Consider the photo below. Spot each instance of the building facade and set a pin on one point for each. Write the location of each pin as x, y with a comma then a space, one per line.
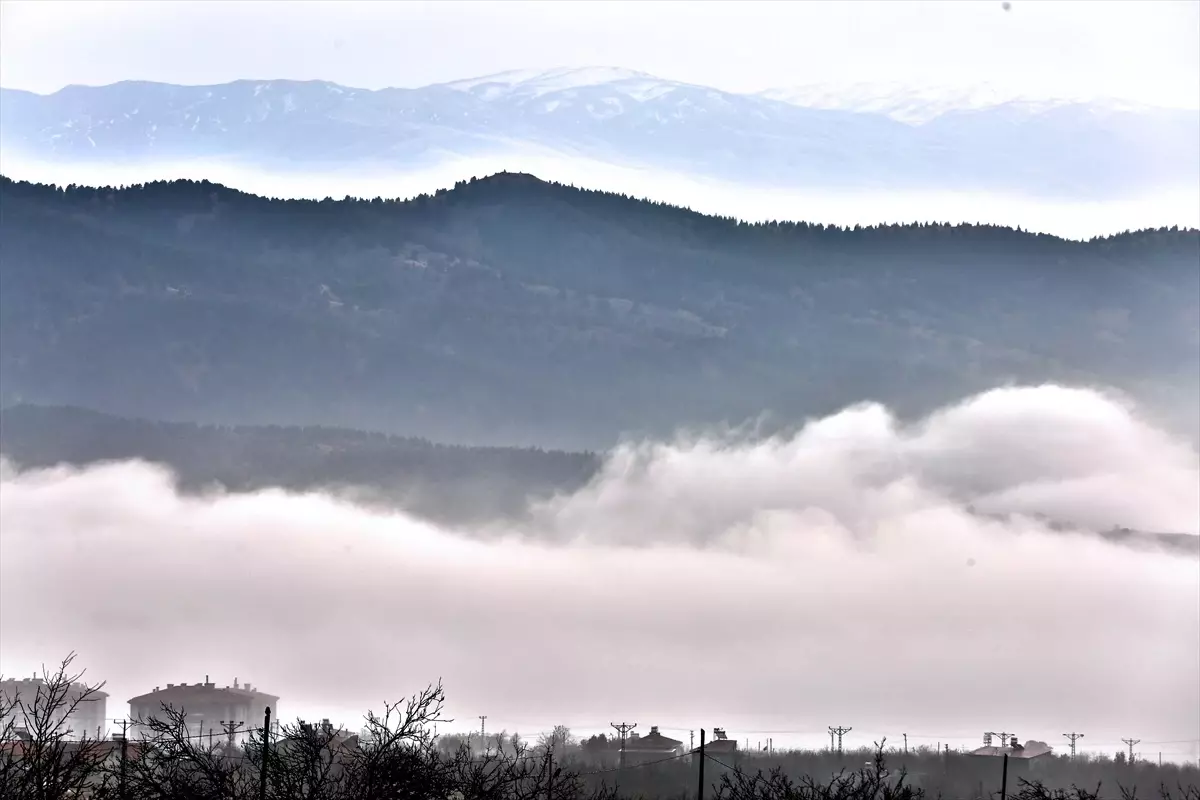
651, 747
84, 713
211, 712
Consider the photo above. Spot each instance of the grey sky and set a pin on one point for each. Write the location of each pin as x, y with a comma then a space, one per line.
833, 576
1148, 51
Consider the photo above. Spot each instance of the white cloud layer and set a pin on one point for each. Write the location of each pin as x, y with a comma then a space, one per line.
836, 575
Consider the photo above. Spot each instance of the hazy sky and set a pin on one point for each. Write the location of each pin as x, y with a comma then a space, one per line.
832, 576
1141, 50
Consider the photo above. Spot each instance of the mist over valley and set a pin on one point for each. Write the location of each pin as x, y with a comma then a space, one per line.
396, 401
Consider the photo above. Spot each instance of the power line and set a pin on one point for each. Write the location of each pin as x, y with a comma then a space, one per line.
637, 766
722, 763
1073, 736
1131, 743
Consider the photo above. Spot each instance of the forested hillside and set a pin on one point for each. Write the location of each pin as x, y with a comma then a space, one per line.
512, 310
455, 485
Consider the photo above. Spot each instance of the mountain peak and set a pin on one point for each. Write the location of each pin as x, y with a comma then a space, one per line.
507, 179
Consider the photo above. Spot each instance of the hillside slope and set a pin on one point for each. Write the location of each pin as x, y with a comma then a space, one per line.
453, 485
512, 310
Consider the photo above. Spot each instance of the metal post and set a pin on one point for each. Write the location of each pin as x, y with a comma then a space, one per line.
700, 789
266, 752
1004, 780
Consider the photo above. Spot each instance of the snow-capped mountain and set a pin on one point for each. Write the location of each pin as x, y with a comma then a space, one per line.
600, 92
533, 84
813, 138
918, 105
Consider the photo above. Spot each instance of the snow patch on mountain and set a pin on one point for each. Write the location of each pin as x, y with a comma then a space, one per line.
916, 105
553, 80
530, 84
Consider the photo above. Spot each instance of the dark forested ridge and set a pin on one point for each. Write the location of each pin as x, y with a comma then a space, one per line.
451, 484
513, 310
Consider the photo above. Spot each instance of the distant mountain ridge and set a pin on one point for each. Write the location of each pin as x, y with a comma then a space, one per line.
919, 105
782, 138
512, 310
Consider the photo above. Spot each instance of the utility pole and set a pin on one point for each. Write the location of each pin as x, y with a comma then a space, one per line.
700, 790
483, 732
906, 744
266, 751
1073, 736
1004, 738
124, 757
231, 729
624, 728
840, 731
550, 772
1004, 780
1131, 743
691, 740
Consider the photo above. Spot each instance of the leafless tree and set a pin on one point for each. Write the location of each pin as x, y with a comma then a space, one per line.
43, 757
872, 782
398, 756
558, 740
309, 761
1034, 790
168, 761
